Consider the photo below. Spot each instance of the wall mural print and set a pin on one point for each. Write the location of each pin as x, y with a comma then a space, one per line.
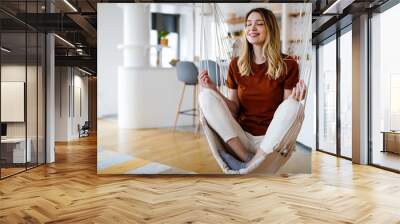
203, 88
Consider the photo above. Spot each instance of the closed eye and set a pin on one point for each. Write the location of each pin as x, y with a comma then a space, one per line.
257, 24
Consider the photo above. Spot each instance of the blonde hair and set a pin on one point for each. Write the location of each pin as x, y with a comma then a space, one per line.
271, 48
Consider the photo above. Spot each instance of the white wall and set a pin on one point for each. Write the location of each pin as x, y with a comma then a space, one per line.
61, 103
109, 58
68, 81
186, 31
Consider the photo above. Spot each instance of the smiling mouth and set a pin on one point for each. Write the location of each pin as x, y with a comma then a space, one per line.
253, 34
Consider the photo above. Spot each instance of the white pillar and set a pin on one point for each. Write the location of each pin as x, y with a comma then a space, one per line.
136, 20
50, 93
285, 28
360, 90
50, 98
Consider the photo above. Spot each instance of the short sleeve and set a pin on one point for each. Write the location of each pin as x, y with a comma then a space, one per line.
292, 76
231, 81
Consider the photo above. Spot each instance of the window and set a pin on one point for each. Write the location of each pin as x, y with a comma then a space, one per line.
385, 89
346, 94
327, 97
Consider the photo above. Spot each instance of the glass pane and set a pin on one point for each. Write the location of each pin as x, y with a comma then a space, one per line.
31, 87
346, 94
13, 88
327, 97
385, 86
31, 98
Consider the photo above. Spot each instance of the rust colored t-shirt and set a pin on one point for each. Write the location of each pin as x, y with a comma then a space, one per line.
259, 95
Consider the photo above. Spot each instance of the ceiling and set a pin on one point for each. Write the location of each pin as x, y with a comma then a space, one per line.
76, 22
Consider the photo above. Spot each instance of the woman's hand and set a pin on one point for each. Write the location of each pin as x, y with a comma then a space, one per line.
299, 92
205, 81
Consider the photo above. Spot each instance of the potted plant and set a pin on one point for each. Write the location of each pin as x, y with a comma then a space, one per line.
163, 38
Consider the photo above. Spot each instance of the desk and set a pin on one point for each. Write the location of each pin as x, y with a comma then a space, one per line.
391, 141
16, 148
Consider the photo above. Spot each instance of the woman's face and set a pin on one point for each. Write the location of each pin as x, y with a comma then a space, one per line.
255, 29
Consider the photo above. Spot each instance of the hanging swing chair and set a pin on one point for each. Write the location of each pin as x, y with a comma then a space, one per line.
288, 118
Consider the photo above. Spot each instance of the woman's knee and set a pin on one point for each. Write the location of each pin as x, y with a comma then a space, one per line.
208, 99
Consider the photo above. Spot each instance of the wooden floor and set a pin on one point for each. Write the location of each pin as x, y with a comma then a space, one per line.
10, 171
70, 191
182, 150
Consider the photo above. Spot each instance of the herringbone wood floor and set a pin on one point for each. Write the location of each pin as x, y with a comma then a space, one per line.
179, 149
70, 191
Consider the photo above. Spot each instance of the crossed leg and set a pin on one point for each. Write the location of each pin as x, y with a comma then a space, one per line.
221, 120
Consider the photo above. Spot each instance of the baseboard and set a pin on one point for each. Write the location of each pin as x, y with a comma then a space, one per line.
108, 116
305, 146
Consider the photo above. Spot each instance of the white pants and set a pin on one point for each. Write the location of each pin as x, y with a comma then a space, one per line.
219, 117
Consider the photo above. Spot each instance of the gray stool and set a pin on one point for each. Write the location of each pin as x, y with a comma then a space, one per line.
187, 73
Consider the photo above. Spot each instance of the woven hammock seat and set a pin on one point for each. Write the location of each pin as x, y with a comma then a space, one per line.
288, 118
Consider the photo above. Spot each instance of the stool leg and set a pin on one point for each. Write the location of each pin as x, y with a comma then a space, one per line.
194, 104
179, 106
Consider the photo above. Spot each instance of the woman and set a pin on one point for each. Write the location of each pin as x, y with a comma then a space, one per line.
258, 81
